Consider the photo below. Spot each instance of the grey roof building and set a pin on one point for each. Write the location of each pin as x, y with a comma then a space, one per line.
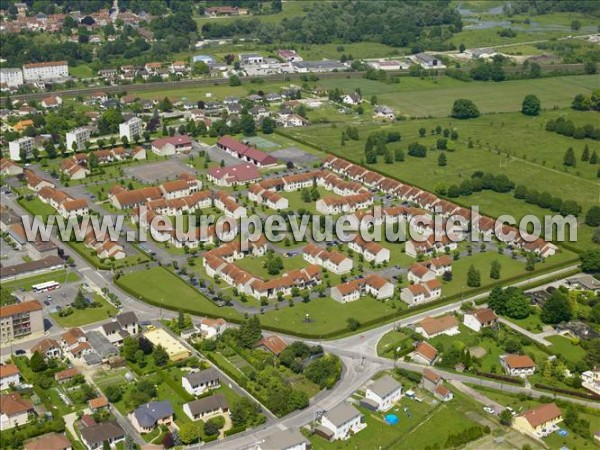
148, 414
127, 318
207, 405
95, 435
285, 440
203, 377
101, 345
385, 386
341, 414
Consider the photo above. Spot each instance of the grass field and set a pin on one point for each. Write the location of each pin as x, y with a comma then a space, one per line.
537, 165
256, 265
161, 287
563, 346
60, 276
415, 97
89, 315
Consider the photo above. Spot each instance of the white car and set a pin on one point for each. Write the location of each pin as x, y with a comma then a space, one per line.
489, 409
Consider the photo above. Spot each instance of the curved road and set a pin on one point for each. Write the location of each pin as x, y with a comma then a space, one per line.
357, 352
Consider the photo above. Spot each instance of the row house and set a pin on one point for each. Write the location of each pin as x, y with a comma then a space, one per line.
374, 285
333, 261
122, 198
168, 146
72, 170
66, 206
9, 168
177, 206
433, 244
295, 182
304, 278
420, 293
346, 204
35, 182
271, 199
185, 186
371, 251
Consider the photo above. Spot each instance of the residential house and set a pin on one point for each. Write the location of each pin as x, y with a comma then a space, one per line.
20, 319
93, 437
129, 322
212, 327
352, 99
424, 353
229, 205
419, 273
272, 343
9, 168
206, 406
383, 393
66, 375
341, 422
48, 441
14, 411
590, 379
433, 383
48, 348
431, 327
416, 294
197, 383
539, 421
9, 376
98, 404
148, 416
332, 261
287, 439
480, 318
518, 365
371, 251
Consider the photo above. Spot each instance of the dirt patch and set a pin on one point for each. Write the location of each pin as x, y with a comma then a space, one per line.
478, 352
152, 173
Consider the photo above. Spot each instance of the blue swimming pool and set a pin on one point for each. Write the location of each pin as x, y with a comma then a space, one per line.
392, 419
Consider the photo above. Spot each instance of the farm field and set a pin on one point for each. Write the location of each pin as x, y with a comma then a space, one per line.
434, 97
537, 165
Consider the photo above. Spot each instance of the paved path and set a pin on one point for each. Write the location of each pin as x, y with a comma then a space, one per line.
477, 395
538, 337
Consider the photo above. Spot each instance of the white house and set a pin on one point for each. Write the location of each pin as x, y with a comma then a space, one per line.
416, 294
384, 393
14, 411
11, 77
590, 379
518, 365
197, 383
480, 318
337, 423
419, 273
287, 439
46, 71
212, 327
431, 327
9, 376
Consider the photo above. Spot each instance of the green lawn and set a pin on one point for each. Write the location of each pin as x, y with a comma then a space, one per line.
37, 208
256, 265
391, 341
91, 256
532, 323
81, 71
60, 276
564, 347
85, 316
161, 287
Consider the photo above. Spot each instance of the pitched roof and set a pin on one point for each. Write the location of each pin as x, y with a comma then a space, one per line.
44, 345
519, 361
202, 376
431, 376
274, 343
49, 441
102, 432
285, 439
66, 374
342, 414
207, 404
98, 402
173, 140
542, 414
385, 386
484, 315
8, 370
239, 173
435, 325
149, 413
11, 404
426, 350
127, 318
20, 308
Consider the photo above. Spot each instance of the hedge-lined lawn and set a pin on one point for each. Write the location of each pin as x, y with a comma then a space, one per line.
256, 265
81, 317
296, 203
36, 207
391, 341
564, 347
161, 287
532, 322
327, 315
60, 276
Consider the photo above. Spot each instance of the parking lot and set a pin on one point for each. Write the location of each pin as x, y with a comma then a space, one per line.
153, 173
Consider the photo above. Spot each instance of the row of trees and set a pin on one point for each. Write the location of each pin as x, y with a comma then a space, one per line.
584, 103
547, 201
568, 128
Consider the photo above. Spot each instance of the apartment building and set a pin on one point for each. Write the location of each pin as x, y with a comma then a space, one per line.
21, 319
